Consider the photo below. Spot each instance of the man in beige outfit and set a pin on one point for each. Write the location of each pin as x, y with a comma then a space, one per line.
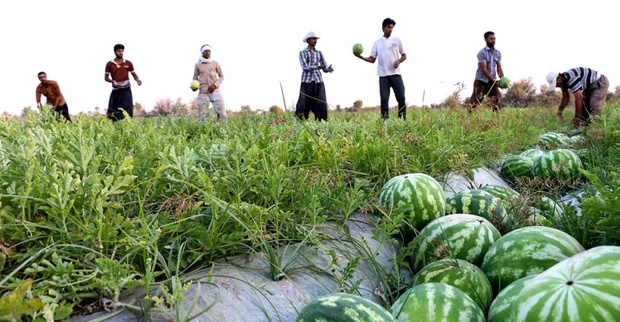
209, 73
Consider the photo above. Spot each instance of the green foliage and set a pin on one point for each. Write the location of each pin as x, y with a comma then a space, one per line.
93, 209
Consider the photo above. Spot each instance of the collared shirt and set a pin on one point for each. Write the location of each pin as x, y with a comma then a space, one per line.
119, 72
52, 93
387, 51
309, 59
208, 73
579, 78
491, 56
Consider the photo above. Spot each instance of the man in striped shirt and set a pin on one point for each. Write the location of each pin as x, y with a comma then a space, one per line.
486, 82
312, 96
589, 88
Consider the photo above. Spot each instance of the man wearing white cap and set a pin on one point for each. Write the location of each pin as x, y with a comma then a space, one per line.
589, 88
312, 96
209, 74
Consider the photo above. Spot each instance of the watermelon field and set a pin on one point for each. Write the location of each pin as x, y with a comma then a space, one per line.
92, 210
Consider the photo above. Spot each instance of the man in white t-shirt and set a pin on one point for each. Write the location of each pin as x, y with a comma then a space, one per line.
390, 53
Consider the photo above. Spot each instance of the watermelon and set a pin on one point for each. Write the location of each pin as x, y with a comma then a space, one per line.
358, 48
561, 164
532, 153
432, 302
583, 155
414, 200
461, 274
537, 218
554, 140
509, 197
195, 85
343, 307
481, 203
527, 251
504, 82
549, 207
516, 166
501, 307
461, 236
584, 287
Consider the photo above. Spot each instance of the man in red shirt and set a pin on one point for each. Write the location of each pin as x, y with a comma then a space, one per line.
117, 72
53, 95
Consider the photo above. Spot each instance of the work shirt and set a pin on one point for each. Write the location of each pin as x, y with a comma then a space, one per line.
309, 60
492, 57
208, 73
579, 78
387, 51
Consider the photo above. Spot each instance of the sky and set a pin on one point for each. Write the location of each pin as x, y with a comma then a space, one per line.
257, 44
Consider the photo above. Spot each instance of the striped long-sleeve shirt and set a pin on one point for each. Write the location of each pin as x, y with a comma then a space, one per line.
309, 60
579, 78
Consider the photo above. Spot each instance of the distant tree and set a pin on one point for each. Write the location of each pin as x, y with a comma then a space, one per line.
453, 100
275, 109
246, 110
97, 110
26, 111
357, 105
163, 107
520, 94
138, 110
338, 108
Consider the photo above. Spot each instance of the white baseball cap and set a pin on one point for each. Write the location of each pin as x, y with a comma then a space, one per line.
311, 34
551, 79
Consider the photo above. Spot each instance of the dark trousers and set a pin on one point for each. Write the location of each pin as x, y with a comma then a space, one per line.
312, 99
120, 98
396, 83
63, 111
488, 89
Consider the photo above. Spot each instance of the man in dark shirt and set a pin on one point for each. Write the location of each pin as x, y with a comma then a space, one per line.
117, 72
589, 88
53, 95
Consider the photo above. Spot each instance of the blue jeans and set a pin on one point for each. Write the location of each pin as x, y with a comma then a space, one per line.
396, 83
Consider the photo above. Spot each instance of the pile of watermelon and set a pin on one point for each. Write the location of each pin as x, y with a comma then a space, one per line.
474, 260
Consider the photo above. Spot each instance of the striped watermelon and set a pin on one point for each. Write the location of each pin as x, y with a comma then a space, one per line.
461, 274
549, 207
554, 140
532, 153
462, 236
414, 199
501, 307
561, 164
509, 197
481, 203
432, 302
526, 251
537, 218
516, 166
343, 307
585, 287
584, 156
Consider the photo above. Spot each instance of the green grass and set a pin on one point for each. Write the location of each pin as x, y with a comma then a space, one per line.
93, 209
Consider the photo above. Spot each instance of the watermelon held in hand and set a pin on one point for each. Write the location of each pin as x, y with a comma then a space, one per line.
504, 82
343, 307
195, 85
583, 287
358, 48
